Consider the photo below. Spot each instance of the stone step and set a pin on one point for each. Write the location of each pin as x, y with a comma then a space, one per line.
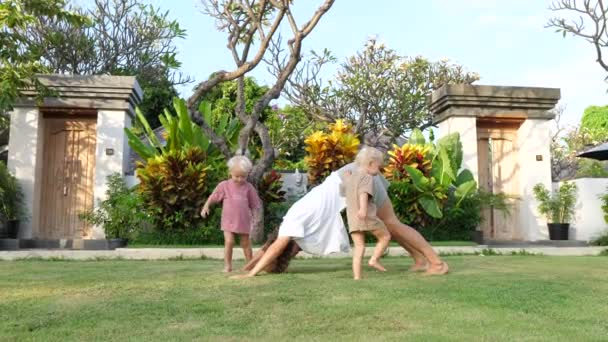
68, 244
546, 243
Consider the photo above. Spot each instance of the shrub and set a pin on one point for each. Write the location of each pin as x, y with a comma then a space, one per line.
11, 196
458, 220
173, 188
422, 175
327, 152
121, 213
207, 233
601, 240
272, 196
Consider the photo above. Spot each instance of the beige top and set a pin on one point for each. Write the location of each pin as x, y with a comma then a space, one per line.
358, 183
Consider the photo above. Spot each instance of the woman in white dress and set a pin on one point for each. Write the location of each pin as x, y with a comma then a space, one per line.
314, 224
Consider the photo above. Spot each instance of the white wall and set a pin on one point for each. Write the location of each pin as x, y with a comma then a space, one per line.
588, 221
25, 162
534, 137
467, 128
110, 134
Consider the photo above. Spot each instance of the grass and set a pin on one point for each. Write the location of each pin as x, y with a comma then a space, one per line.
393, 244
497, 298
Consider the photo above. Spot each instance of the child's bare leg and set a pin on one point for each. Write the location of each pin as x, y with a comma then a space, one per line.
228, 245
383, 237
246, 246
358, 251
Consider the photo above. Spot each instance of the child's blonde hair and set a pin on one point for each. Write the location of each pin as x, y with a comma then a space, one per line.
241, 162
368, 154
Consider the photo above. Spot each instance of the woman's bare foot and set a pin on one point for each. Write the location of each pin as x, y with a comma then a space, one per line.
418, 267
437, 269
376, 265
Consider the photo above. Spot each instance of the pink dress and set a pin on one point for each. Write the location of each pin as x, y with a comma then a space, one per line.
239, 200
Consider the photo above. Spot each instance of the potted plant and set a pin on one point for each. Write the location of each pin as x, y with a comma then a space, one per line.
11, 202
119, 214
558, 208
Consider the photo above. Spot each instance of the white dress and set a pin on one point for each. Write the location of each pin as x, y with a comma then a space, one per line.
314, 221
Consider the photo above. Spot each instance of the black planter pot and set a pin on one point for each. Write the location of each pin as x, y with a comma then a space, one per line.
477, 237
558, 231
12, 229
117, 243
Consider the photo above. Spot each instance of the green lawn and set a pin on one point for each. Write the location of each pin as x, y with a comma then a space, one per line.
501, 298
392, 244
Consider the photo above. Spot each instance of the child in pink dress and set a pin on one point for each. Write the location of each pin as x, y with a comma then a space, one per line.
240, 198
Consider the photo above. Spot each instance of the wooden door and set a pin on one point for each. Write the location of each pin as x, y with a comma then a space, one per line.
499, 173
69, 166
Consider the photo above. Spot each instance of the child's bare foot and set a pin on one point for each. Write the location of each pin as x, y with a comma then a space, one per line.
241, 276
227, 269
376, 265
418, 267
437, 269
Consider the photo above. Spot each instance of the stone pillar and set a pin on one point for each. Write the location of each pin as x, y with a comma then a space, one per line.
25, 162
534, 137
111, 155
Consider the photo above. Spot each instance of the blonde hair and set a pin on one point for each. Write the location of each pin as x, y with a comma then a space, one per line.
240, 162
368, 154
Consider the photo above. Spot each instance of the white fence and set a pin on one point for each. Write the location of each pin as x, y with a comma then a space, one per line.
588, 222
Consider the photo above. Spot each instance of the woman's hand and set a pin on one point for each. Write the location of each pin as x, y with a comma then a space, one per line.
361, 215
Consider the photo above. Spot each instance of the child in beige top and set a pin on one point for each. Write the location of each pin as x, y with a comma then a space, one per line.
358, 188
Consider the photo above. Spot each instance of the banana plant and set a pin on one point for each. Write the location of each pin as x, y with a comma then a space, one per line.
181, 132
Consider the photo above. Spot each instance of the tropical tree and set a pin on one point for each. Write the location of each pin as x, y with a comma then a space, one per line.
20, 56
382, 93
585, 19
123, 37
251, 28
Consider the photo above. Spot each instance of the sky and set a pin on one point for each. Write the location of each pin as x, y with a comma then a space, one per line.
506, 42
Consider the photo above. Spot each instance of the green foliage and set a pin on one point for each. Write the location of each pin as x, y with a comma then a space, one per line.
588, 168
19, 56
181, 132
287, 127
223, 99
460, 218
288, 165
601, 240
595, 119
390, 89
174, 187
462, 215
11, 196
206, 232
124, 38
121, 213
557, 207
269, 190
604, 199
423, 175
